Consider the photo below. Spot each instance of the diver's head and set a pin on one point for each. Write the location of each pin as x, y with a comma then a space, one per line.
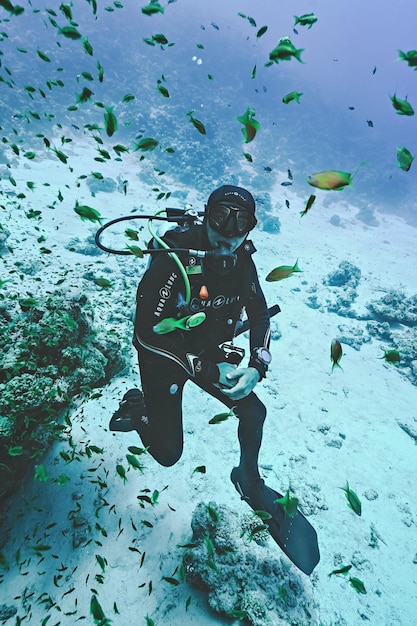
229, 217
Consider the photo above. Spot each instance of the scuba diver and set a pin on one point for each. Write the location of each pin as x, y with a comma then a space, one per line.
190, 306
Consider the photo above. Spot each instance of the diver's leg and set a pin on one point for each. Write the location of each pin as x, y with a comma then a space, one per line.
162, 430
251, 413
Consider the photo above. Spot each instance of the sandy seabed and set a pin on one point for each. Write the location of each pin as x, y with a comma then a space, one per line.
323, 428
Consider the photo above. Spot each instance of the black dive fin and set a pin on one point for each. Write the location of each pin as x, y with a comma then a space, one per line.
295, 535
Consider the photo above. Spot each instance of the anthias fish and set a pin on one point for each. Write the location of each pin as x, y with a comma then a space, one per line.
403, 107
283, 271
404, 158
336, 353
292, 96
352, 499
391, 356
332, 179
250, 125
285, 51
410, 57
305, 20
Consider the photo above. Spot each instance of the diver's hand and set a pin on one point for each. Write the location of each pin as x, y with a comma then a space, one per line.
224, 370
241, 381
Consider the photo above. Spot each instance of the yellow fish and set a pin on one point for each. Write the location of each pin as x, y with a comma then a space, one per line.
283, 271
332, 179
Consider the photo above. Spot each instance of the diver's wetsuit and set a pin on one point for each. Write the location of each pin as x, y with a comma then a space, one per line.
167, 361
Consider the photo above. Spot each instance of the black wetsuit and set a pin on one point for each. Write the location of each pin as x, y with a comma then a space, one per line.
167, 361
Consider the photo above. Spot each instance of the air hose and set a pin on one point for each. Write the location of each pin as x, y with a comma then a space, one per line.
169, 324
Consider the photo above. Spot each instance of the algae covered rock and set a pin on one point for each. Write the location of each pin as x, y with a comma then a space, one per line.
50, 351
242, 572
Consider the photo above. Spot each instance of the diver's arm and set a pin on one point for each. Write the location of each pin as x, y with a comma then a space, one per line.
159, 292
259, 320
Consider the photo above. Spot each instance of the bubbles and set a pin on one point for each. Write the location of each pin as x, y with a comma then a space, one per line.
197, 60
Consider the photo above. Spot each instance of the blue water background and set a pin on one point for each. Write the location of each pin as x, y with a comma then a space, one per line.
341, 50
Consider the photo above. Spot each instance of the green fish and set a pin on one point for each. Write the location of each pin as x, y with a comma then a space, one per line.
110, 121
264, 515
283, 271
261, 31
88, 48
391, 356
404, 158
66, 10
61, 156
87, 213
171, 580
332, 179
353, 500
8, 6
403, 107
97, 611
250, 125
103, 282
146, 144
289, 504
100, 70
222, 417
128, 97
28, 303
70, 32
285, 51
133, 461
43, 56
239, 614
132, 234
160, 38
357, 584
293, 95
309, 204
196, 123
410, 57
85, 95
152, 8
341, 570
136, 251
40, 474
122, 472
306, 20
336, 353
162, 89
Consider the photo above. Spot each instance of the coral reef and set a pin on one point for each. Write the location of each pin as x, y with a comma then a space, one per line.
395, 307
243, 577
49, 352
346, 274
4, 234
267, 220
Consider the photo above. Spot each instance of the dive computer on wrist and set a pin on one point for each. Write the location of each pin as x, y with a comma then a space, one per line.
263, 355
